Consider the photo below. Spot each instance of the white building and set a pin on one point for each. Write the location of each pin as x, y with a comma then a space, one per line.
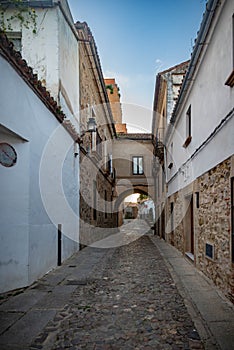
146, 210
52, 51
35, 179
200, 146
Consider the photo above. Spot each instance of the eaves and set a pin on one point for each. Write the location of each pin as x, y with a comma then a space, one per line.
20, 65
83, 26
208, 17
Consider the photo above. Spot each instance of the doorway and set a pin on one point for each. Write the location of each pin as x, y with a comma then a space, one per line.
189, 228
163, 224
172, 223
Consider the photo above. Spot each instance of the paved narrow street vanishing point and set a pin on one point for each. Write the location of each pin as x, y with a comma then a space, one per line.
116, 298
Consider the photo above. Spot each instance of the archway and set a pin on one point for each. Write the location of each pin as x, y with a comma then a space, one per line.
139, 209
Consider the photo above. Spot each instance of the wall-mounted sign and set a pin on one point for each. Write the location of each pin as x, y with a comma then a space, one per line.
8, 155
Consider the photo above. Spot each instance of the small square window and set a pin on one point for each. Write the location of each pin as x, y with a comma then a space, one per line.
137, 166
230, 79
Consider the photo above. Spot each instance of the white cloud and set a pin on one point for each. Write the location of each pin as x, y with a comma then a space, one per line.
159, 65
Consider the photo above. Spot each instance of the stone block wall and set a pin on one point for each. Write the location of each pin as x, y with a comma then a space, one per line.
96, 148
175, 230
93, 229
214, 226
114, 97
211, 223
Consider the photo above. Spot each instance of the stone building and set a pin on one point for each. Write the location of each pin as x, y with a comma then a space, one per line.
198, 149
34, 236
114, 98
52, 50
97, 176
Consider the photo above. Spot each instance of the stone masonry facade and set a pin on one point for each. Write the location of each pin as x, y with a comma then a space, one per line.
211, 195
96, 179
96, 216
214, 226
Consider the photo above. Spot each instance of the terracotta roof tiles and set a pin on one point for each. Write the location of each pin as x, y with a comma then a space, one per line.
26, 72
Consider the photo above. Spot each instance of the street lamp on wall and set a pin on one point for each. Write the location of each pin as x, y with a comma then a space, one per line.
91, 128
91, 125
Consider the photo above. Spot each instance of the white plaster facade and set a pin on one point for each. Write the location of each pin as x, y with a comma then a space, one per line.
210, 100
53, 52
28, 233
147, 210
197, 217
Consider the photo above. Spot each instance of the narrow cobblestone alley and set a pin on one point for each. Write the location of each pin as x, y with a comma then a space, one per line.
135, 305
125, 297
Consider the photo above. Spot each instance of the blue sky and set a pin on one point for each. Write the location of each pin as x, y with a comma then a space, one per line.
138, 38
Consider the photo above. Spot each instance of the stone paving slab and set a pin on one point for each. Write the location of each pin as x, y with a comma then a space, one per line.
7, 319
56, 299
22, 302
25, 313
195, 284
224, 334
24, 331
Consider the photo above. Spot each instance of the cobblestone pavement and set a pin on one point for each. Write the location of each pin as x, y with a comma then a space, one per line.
132, 304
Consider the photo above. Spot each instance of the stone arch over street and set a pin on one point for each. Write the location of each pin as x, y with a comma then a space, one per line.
127, 193
132, 160
119, 207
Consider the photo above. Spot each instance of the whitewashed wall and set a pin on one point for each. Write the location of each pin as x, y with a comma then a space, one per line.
28, 237
146, 207
14, 216
53, 54
211, 100
68, 68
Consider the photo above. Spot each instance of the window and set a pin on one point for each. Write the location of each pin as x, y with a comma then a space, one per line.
110, 164
188, 122
98, 144
163, 180
111, 206
94, 200
188, 127
230, 80
172, 216
105, 204
172, 223
16, 39
137, 165
170, 165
